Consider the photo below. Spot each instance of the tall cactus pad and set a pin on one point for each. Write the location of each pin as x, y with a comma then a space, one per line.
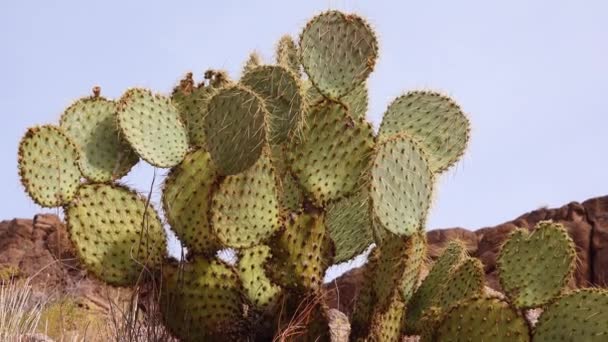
338, 52
535, 267
191, 102
386, 324
187, 200
334, 153
466, 281
201, 301
483, 319
245, 208
430, 288
434, 121
115, 232
349, 226
579, 316
282, 96
48, 166
235, 127
401, 186
251, 268
152, 125
287, 54
91, 124
364, 304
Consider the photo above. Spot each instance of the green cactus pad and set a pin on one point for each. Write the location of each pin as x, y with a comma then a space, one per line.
535, 267
252, 62
245, 208
48, 166
401, 186
334, 153
466, 281
290, 194
282, 96
386, 325
338, 52
365, 301
287, 54
201, 301
258, 288
191, 102
426, 295
152, 125
349, 226
91, 124
115, 232
578, 316
434, 121
483, 319
235, 127
187, 200
298, 253
356, 101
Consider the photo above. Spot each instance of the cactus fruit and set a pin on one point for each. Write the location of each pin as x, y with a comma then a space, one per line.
578, 316
48, 166
152, 125
333, 154
91, 124
187, 200
287, 54
401, 186
338, 52
243, 215
235, 129
534, 267
483, 319
434, 121
251, 269
115, 232
282, 96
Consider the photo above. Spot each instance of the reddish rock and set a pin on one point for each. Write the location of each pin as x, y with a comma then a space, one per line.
438, 239
597, 216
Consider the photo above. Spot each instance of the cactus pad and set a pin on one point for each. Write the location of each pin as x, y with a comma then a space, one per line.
338, 52
535, 267
356, 101
401, 186
578, 316
259, 289
235, 128
334, 152
152, 125
287, 54
466, 281
187, 200
386, 325
115, 232
91, 124
434, 121
245, 207
349, 226
483, 319
201, 301
48, 166
252, 62
282, 96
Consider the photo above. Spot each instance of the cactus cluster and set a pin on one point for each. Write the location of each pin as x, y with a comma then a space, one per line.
283, 167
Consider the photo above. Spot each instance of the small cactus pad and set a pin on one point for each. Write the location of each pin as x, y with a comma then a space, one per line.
235, 128
578, 316
356, 101
152, 125
434, 121
334, 153
364, 303
386, 324
258, 288
401, 186
290, 194
91, 124
287, 54
483, 319
282, 96
535, 267
191, 102
115, 232
338, 52
201, 301
252, 62
245, 208
430, 288
48, 166
298, 252
349, 226
466, 281
187, 199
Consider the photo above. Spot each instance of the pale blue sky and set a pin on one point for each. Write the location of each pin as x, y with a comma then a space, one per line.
533, 76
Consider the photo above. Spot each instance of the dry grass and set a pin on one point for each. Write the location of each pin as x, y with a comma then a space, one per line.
19, 311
